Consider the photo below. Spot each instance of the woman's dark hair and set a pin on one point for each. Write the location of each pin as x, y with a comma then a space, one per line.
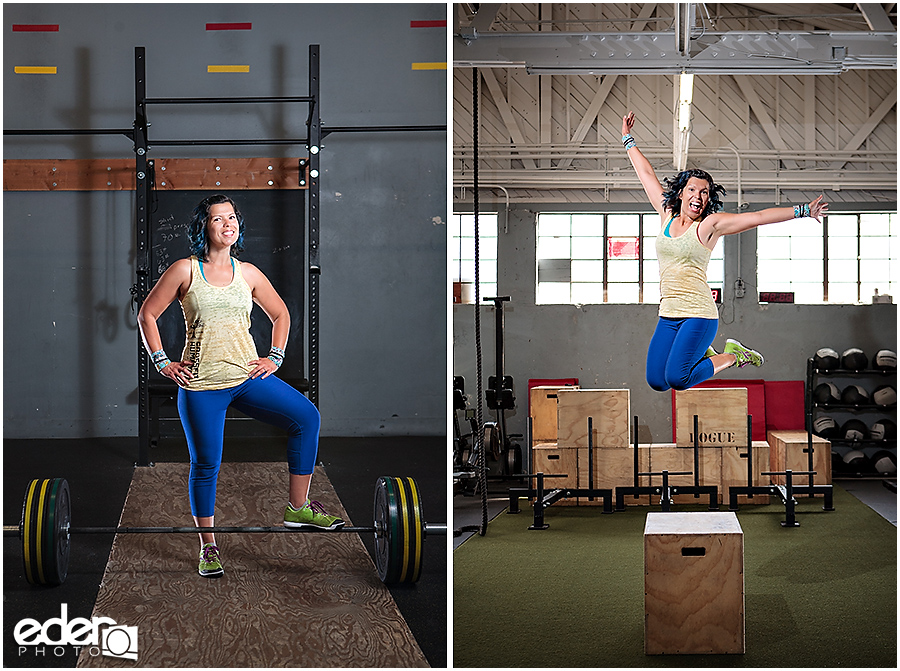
199, 219
674, 187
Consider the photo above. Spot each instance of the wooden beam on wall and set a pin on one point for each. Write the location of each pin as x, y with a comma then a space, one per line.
590, 116
506, 112
172, 174
866, 129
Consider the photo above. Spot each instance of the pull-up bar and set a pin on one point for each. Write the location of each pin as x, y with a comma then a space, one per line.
379, 129
186, 143
74, 131
243, 99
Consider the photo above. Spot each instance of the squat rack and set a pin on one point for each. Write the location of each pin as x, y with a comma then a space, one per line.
144, 183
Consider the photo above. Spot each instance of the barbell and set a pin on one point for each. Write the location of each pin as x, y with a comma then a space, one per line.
45, 529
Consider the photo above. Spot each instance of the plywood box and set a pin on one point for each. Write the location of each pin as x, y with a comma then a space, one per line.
674, 459
613, 467
787, 450
722, 417
609, 408
543, 413
734, 471
693, 583
552, 460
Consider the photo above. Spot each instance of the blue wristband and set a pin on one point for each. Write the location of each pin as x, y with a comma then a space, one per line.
159, 359
276, 356
801, 211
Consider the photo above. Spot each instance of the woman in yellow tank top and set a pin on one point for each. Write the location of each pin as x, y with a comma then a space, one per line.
220, 367
680, 355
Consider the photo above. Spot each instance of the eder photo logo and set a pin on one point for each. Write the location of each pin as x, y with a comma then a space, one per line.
100, 635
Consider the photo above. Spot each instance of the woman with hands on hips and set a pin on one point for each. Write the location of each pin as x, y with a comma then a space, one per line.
220, 367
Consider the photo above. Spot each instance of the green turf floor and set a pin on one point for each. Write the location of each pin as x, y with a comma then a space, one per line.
823, 594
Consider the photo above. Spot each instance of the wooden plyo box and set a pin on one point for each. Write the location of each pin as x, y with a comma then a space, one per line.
674, 459
552, 460
613, 467
722, 417
787, 450
609, 408
734, 471
693, 583
543, 414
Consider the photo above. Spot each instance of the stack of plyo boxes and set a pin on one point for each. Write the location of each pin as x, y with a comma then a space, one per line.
560, 439
560, 444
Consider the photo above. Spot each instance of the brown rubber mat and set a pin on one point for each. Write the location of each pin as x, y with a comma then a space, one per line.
286, 600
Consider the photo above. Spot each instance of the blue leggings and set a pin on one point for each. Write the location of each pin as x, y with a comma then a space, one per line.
270, 400
675, 358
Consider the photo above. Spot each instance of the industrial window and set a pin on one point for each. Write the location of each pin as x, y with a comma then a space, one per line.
603, 258
848, 258
462, 252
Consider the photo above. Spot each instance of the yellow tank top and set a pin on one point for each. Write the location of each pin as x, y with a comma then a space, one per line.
684, 291
218, 341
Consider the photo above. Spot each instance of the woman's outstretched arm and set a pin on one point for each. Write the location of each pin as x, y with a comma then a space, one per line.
724, 223
642, 167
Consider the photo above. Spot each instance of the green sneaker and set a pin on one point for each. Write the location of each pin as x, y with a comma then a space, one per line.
710, 352
210, 565
743, 354
311, 515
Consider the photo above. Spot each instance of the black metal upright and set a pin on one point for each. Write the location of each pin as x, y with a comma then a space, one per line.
314, 135
142, 260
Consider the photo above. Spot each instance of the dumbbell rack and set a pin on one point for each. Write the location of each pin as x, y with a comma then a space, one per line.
812, 373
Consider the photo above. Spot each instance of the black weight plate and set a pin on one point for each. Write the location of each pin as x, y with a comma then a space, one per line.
490, 440
46, 513
513, 459
56, 533
400, 530
386, 530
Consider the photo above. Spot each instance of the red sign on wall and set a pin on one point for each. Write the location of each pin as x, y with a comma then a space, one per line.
623, 248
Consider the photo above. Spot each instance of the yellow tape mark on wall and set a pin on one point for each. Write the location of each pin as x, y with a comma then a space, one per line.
429, 66
228, 68
35, 70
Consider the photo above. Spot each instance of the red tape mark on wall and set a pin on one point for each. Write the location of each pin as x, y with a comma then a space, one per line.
428, 24
229, 26
35, 28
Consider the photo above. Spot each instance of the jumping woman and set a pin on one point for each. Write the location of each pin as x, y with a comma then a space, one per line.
680, 354
220, 367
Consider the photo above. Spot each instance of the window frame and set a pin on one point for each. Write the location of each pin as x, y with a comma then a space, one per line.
641, 282
453, 256
827, 289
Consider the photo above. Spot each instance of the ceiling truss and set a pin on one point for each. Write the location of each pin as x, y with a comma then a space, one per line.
759, 89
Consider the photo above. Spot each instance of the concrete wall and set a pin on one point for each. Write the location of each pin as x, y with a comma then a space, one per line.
70, 337
605, 346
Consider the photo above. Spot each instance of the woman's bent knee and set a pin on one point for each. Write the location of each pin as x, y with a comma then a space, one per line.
656, 384
679, 384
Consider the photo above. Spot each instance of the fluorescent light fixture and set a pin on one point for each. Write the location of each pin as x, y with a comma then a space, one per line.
685, 97
651, 66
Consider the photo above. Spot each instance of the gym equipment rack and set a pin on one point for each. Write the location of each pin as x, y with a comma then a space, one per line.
144, 183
